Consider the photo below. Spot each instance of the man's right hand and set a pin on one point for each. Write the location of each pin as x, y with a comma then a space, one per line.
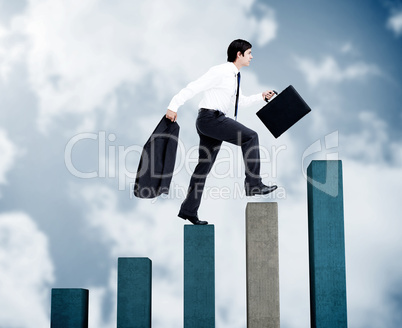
171, 115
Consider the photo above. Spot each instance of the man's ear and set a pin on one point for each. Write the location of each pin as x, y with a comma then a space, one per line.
239, 54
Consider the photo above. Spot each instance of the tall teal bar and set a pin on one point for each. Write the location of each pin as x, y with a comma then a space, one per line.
199, 276
69, 308
326, 245
134, 285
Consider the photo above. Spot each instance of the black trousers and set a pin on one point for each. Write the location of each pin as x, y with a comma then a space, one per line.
214, 127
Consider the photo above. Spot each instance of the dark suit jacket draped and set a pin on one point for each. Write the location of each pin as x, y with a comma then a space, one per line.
157, 161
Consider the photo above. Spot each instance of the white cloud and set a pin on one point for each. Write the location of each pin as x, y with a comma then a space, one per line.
371, 142
266, 27
371, 178
328, 70
349, 48
372, 229
8, 153
11, 51
394, 22
26, 272
78, 54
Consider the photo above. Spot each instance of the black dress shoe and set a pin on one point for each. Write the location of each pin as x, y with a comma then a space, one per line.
260, 189
192, 218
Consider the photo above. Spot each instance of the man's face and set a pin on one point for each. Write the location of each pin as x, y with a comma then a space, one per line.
244, 60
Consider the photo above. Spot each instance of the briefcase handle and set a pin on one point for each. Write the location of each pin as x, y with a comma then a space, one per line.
276, 93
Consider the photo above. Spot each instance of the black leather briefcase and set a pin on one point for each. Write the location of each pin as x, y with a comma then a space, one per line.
283, 111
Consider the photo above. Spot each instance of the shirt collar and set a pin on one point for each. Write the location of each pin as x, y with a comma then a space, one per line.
233, 67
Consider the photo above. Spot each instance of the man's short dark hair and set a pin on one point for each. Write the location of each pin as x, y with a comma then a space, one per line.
235, 47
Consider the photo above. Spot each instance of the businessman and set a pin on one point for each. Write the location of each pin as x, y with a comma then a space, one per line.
222, 93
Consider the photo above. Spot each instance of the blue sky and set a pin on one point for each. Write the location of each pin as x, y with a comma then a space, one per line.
82, 87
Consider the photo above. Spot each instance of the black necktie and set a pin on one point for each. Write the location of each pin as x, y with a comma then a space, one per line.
237, 95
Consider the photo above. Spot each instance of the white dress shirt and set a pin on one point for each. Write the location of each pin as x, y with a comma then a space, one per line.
220, 86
